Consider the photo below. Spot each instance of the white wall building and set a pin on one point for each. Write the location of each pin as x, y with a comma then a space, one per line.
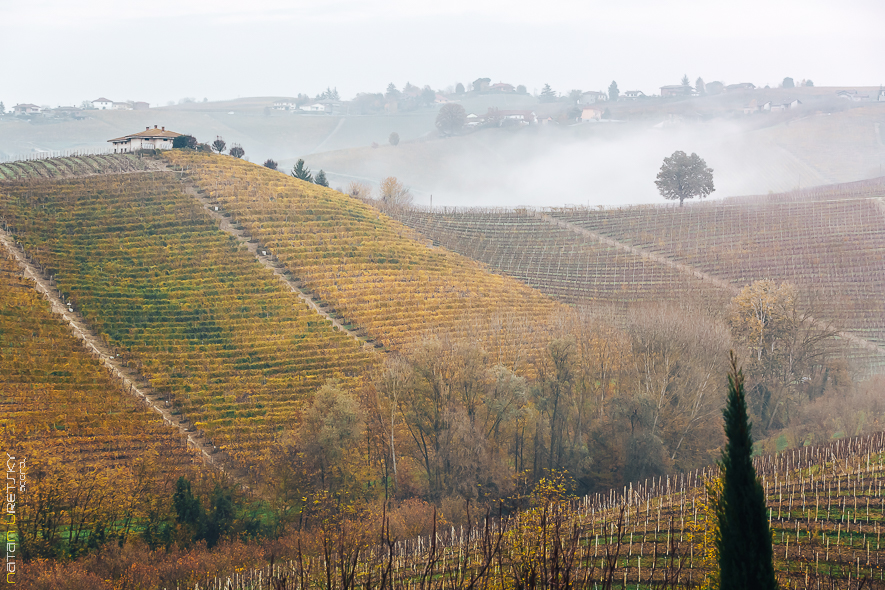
102, 103
149, 139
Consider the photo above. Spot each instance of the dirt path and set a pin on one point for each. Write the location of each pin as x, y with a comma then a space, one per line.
130, 381
686, 269
267, 259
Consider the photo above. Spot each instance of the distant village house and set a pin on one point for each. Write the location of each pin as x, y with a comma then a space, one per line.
593, 96
149, 139
102, 104
633, 94
591, 114
26, 109
675, 90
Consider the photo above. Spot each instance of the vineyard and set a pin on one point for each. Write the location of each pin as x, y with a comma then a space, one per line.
826, 510
232, 350
74, 166
368, 269
830, 243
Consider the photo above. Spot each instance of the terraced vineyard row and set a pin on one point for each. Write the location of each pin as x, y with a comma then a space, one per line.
833, 250
368, 268
233, 349
75, 166
826, 509
555, 260
57, 400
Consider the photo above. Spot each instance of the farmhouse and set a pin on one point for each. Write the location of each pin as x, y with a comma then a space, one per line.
149, 139
102, 103
593, 96
633, 94
26, 109
675, 90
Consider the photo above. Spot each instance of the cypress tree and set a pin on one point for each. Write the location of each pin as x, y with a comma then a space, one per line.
744, 538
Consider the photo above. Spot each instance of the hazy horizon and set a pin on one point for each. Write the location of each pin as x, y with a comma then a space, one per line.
164, 51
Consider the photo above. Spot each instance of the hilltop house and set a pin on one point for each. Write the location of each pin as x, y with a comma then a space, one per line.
285, 105
790, 104
593, 96
26, 109
675, 90
102, 103
502, 87
741, 86
122, 106
149, 139
633, 94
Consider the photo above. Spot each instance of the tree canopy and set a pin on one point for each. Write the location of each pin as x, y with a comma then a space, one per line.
684, 177
393, 192
219, 144
788, 83
237, 151
547, 94
613, 92
320, 179
394, 139
451, 118
272, 164
301, 171
185, 142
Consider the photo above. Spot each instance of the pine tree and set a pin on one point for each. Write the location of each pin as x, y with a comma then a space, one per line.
744, 538
321, 179
301, 171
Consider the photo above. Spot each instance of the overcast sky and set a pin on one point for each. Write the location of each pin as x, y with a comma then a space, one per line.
63, 52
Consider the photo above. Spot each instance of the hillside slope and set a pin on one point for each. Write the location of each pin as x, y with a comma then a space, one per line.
370, 269
233, 349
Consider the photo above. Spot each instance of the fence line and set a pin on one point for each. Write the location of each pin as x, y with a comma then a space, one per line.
47, 155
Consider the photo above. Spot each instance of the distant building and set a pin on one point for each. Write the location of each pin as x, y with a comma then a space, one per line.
102, 103
122, 106
790, 104
853, 95
591, 114
149, 139
141, 106
285, 105
593, 96
675, 90
316, 107
26, 109
751, 108
741, 86
502, 116
633, 94
502, 87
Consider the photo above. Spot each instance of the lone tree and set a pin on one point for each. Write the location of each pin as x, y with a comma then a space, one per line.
684, 177
301, 171
237, 151
788, 83
451, 118
393, 192
744, 538
613, 92
272, 164
218, 145
321, 179
547, 94
394, 139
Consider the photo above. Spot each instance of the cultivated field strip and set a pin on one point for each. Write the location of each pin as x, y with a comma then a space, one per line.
233, 351
76, 166
369, 270
833, 250
826, 508
556, 260
59, 401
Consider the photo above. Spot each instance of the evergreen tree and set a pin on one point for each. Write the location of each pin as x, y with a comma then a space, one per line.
613, 92
2, 108
547, 94
301, 171
744, 537
321, 179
